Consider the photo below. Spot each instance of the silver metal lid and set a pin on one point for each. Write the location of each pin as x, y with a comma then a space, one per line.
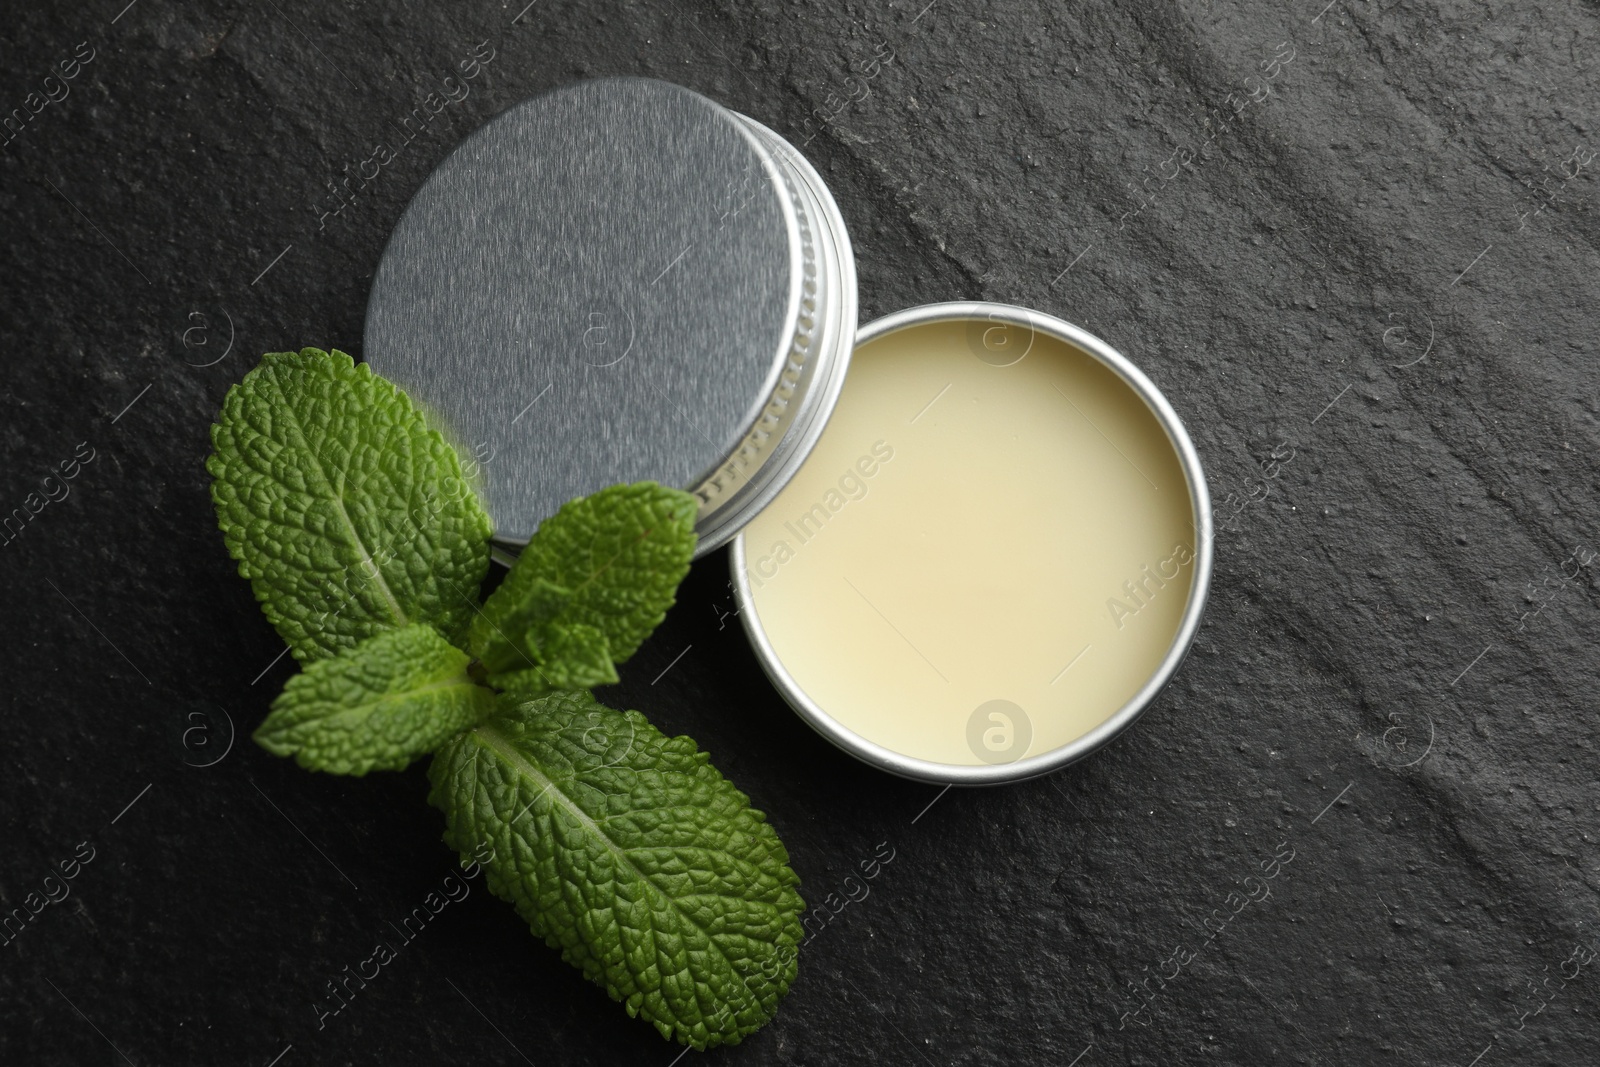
615, 281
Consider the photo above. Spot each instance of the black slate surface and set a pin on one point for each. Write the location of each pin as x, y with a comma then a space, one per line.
1383, 265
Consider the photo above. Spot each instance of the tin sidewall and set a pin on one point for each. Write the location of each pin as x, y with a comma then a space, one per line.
834, 339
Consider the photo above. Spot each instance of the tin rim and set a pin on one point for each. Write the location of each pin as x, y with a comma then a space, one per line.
830, 294
1188, 626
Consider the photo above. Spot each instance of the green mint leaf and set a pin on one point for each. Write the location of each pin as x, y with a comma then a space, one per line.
606, 564
394, 697
571, 656
346, 512
630, 853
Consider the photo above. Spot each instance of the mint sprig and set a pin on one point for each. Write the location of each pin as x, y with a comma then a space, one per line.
621, 847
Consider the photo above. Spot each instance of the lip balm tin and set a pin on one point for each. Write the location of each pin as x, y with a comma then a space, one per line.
1020, 329
622, 280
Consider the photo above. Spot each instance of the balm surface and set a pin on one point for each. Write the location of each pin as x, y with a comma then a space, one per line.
985, 556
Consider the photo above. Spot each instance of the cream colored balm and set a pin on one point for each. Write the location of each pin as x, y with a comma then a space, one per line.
987, 554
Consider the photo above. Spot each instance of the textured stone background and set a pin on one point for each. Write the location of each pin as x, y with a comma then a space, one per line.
1384, 263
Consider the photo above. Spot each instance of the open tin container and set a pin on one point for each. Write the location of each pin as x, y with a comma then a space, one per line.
622, 280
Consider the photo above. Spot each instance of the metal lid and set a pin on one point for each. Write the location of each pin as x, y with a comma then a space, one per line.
615, 281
